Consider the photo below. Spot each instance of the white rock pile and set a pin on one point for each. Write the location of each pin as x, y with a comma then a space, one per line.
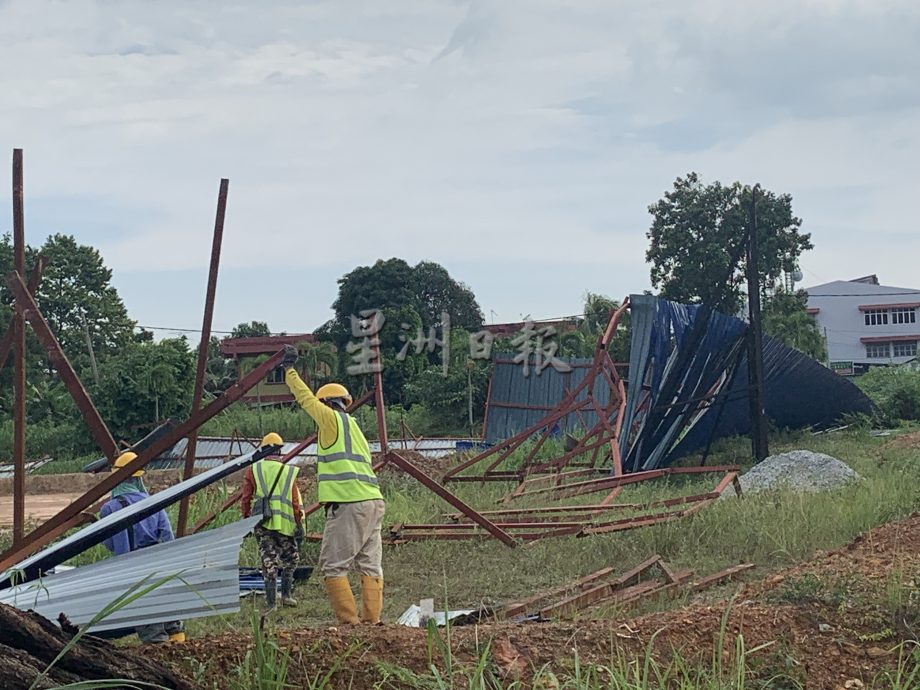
799, 470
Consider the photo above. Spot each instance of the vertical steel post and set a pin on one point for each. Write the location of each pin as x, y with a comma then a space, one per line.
19, 349
378, 406
759, 442
191, 446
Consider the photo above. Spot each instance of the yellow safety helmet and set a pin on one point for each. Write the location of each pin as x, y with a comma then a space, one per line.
334, 390
123, 460
271, 439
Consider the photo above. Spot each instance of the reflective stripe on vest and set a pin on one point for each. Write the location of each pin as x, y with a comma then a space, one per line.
265, 472
343, 471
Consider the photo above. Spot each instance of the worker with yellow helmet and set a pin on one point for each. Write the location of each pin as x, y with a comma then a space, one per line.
273, 485
154, 529
349, 492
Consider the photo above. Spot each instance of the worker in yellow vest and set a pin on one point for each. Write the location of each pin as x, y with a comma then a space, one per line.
273, 485
349, 492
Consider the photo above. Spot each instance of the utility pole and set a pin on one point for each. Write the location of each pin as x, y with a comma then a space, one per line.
756, 396
92, 354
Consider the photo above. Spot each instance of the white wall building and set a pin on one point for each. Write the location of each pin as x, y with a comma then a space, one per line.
866, 323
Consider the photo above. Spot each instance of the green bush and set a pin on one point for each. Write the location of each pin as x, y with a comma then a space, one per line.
60, 440
894, 390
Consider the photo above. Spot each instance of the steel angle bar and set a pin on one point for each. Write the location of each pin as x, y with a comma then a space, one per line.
6, 342
28, 310
115, 522
633, 522
400, 462
19, 363
66, 518
204, 344
199, 575
720, 576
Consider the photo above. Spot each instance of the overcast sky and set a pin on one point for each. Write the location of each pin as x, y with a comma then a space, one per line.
518, 143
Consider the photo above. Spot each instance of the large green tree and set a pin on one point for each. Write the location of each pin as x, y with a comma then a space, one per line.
410, 298
698, 235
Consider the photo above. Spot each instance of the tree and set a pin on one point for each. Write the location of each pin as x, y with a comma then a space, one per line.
785, 317
143, 383
253, 329
318, 362
75, 296
698, 235
435, 292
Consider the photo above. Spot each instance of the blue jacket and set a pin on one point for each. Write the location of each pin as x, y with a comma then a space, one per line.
154, 529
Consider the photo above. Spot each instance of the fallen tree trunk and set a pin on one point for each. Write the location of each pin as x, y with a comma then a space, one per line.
28, 643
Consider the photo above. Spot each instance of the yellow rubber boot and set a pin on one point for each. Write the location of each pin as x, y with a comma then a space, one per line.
371, 599
343, 601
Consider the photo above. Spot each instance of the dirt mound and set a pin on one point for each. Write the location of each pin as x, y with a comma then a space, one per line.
909, 441
820, 620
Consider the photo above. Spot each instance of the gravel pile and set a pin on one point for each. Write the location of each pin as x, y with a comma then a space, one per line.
800, 470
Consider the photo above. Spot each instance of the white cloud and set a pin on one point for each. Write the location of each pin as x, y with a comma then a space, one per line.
535, 130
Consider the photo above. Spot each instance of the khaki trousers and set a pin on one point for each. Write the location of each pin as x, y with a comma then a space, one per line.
352, 537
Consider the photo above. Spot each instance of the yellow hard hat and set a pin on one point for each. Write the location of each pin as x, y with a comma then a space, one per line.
334, 390
271, 439
123, 460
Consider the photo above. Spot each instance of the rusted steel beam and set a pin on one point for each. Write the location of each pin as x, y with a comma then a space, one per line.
524, 605
723, 485
595, 485
297, 450
720, 576
379, 407
468, 526
192, 445
6, 343
28, 309
399, 461
19, 349
631, 523
65, 519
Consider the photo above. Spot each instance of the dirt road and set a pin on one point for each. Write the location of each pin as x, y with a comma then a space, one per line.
39, 507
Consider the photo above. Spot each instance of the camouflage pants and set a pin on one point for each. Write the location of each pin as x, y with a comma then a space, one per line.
276, 551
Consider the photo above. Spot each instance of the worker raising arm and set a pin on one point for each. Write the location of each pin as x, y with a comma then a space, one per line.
350, 494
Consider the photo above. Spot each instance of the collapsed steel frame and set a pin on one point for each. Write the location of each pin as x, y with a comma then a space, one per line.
593, 464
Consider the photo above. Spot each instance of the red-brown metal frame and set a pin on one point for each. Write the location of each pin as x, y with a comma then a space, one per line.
67, 517
28, 310
19, 349
192, 444
6, 342
602, 365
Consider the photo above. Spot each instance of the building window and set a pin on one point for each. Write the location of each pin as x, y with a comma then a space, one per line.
877, 317
905, 349
275, 376
904, 315
878, 350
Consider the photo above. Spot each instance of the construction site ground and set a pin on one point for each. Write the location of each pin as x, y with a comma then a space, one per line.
824, 623
829, 613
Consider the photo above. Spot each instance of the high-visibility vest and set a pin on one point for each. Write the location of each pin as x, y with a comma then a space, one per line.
282, 507
343, 471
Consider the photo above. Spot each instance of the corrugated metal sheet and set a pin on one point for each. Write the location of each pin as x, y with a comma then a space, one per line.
690, 366
95, 533
205, 573
7, 471
213, 451
517, 402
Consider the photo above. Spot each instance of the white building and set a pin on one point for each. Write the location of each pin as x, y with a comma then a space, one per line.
866, 323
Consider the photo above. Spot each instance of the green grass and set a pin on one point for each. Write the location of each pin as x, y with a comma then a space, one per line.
772, 530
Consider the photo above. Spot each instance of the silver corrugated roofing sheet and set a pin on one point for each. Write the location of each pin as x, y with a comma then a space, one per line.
204, 568
211, 452
115, 522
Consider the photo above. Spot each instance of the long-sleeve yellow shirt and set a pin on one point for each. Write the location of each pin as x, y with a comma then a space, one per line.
322, 414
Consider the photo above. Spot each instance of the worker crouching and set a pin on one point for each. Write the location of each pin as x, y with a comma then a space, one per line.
154, 529
349, 492
273, 486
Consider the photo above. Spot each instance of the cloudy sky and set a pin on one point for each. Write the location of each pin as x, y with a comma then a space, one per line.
517, 142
